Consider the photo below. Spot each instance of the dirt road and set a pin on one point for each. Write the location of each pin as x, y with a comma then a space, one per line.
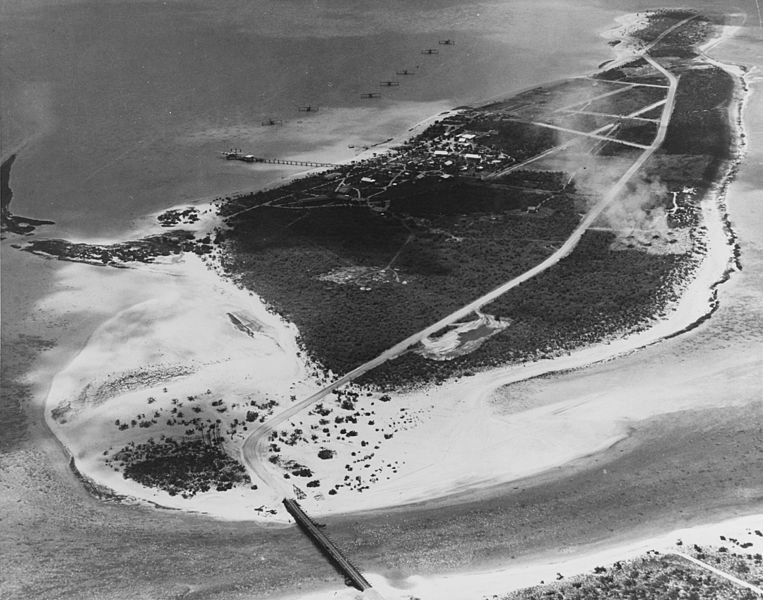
253, 449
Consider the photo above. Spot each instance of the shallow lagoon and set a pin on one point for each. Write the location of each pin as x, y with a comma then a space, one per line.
119, 109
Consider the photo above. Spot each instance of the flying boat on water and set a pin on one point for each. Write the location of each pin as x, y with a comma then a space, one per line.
371, 95
405, 72
389, 83
430, 51
270, 122
308, 108
447, 42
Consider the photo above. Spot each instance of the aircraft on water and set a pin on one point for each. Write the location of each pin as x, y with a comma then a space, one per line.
447, 42
268, 122
308, 108
405, 72
371, 95
430, 51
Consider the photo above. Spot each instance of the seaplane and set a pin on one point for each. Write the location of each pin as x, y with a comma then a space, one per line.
308, 108
371, 95
405, 72
447, 42
389, 83
430, 51
269, 122
232, 154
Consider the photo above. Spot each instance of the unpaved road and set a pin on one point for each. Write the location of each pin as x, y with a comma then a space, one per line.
253, 452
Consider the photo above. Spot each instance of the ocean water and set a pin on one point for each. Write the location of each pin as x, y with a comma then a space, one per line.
117, 109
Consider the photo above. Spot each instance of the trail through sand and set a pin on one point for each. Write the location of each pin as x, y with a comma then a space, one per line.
168, 328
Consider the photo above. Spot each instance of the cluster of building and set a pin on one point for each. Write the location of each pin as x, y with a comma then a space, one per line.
452, 148
445, 150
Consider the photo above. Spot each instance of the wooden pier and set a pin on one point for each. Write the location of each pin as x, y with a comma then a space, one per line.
251, 158
326, 546
301, 163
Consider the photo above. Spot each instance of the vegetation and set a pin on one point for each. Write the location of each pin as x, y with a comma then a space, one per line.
699, 125
465, 197
737, 557
587, 296
437, 243
654, 576
411, 237
143, 250
444, 253
184, 467
521, 140
170, 218
9, 221
692, 33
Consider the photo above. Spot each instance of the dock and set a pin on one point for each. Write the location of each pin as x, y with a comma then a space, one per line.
326, 546
251, 158
300, 163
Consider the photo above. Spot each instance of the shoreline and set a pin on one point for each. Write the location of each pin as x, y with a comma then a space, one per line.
544, 567
157, 292
15, 224
148, 225
52, 517
695, 306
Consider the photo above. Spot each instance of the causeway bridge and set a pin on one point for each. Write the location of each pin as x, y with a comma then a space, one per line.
326, 546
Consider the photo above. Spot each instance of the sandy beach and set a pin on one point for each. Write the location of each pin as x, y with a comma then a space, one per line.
505, 418
197, 348
432, 443
526, 573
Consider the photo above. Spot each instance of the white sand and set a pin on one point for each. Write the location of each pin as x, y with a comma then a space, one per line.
526, 573
165, 325
154, 316
628, 46
448, 438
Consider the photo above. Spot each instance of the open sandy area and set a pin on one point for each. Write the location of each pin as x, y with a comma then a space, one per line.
168, 334
686, 413
415, 446
527, 573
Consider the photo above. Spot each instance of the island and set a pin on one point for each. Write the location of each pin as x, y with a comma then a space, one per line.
365, 311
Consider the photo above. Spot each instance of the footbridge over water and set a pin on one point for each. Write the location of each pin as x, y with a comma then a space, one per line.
326, 546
